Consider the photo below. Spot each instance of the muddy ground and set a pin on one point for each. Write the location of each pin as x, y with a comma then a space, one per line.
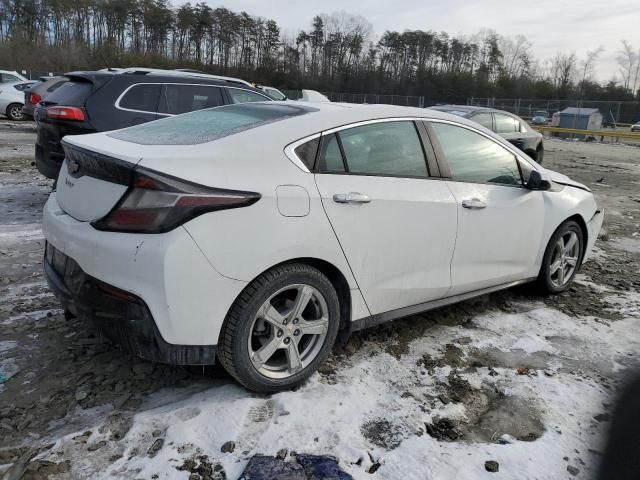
57, 376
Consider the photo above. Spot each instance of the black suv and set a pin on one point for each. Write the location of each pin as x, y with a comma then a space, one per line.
507, 125
108, 100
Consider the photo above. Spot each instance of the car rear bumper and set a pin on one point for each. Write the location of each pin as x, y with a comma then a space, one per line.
48, 163
49, 152
593, 227
123, 318
177, 300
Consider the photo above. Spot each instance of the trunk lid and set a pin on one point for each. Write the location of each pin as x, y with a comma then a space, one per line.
92, 181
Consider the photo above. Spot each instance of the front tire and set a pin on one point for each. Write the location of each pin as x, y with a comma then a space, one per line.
562, 258
280, 329
14, 112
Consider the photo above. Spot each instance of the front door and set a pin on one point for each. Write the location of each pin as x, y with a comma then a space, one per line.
500, 221
396, 226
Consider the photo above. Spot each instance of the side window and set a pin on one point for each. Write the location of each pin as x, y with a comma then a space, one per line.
390, 148
142, 97
7, 78
244, 96
475, 158
506, 124
330, 156
484, 119
188, 98
307, 152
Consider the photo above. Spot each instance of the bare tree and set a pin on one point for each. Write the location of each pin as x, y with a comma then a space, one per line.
587, 66
627, 60
516, 53
561, 70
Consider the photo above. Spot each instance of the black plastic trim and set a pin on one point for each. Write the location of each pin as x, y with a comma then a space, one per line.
384, 317
97, 165
121, 316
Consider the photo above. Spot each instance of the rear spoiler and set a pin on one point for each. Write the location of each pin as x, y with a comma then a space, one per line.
97, 78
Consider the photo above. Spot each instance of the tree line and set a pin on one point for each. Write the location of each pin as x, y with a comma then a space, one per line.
337, 52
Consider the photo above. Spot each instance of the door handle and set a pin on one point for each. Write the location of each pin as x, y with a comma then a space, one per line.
474, 204
351, 197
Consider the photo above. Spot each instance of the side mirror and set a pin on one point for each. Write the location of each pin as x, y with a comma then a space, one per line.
536, 182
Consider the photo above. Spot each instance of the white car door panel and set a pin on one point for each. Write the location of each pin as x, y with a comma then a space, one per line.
500, 221
396, 226
399, 245
498, 242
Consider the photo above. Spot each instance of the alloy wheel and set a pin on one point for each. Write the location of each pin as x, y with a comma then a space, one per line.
15, 112
288, 331
564, 259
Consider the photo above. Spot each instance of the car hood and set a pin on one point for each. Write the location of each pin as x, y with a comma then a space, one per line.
564, 180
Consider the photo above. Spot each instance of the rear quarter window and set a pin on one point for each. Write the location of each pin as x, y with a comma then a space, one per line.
204, 126
143, 97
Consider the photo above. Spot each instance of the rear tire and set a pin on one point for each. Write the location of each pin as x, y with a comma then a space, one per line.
562, 258
14, 112
290, 308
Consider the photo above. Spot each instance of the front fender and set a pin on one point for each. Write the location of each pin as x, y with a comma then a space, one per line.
561, 204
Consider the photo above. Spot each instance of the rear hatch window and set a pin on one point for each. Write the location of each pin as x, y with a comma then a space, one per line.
72, 93
207, 125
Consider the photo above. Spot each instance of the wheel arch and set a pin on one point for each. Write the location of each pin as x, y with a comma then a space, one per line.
6, 111
583, 226
335, 276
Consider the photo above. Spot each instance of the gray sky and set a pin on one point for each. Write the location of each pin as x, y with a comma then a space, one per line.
551, 25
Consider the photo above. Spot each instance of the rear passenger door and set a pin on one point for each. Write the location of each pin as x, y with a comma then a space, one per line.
178, 98
396, 224
137, 104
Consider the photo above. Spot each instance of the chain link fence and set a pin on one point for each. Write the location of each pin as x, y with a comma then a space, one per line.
406, 100
613, 112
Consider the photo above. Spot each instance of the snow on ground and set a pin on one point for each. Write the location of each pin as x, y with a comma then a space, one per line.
374, 409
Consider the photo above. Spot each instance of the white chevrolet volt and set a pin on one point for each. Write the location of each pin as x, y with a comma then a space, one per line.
253, 234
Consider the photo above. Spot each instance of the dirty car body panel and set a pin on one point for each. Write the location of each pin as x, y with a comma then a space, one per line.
181, 216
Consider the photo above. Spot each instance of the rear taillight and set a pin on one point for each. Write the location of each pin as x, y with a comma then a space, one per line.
73, 114
34, 98
157, 203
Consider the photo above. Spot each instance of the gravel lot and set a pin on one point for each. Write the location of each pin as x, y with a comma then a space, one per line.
521, 380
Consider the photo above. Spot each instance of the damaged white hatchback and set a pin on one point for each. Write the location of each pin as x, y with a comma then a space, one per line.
254, 234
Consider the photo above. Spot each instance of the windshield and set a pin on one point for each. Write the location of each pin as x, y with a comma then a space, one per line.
207, 125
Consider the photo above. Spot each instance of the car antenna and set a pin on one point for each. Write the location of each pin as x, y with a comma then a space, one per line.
106, 64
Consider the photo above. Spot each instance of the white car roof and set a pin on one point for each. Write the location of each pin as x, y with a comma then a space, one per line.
327, 115
318, 117
13, 72
313, 96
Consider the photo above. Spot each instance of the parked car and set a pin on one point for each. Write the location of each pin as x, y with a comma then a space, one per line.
635, 127
11, 76
540, 117
273, 92
255, 233
313, 96
505, 124
12, 98
105, 100
38, 92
